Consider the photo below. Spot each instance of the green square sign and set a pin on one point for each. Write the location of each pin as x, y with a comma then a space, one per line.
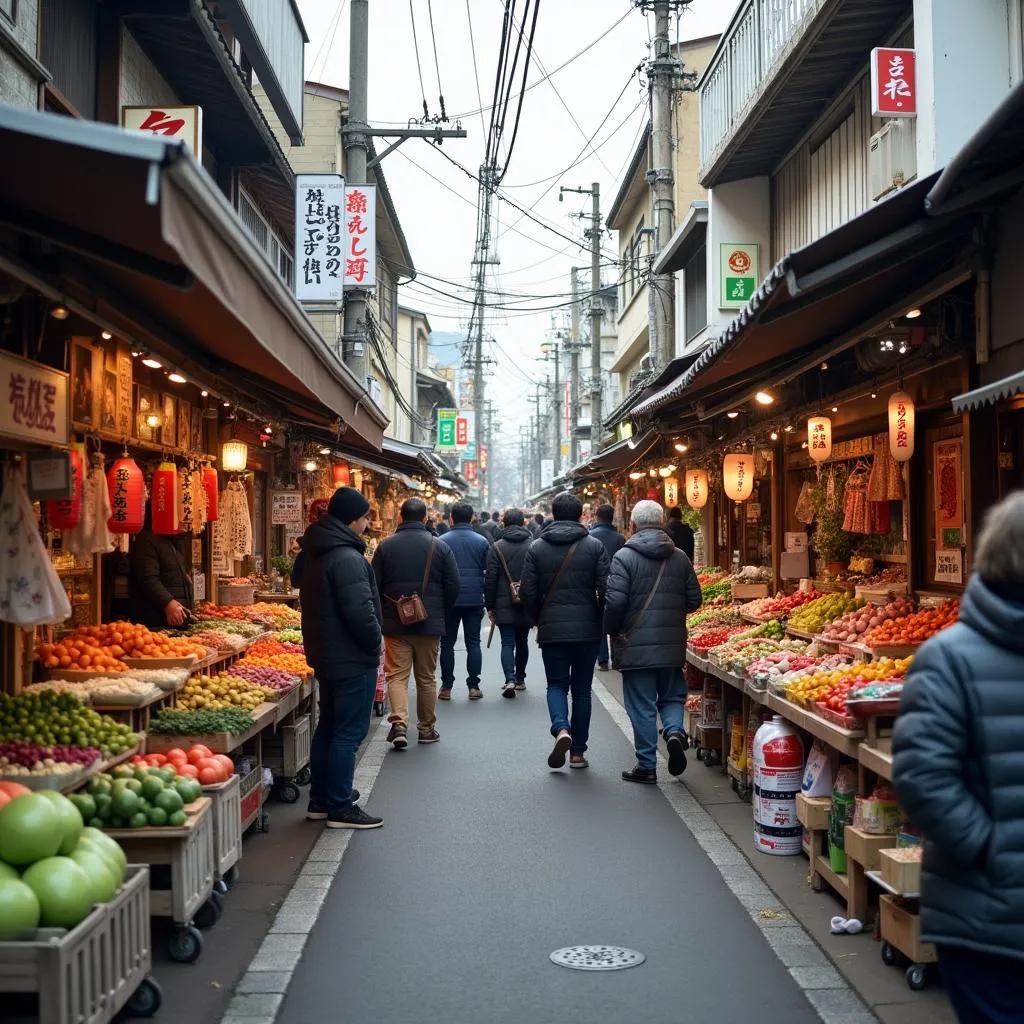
739, 270
446, 429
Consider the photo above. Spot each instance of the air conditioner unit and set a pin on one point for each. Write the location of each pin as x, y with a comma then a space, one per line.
892, 156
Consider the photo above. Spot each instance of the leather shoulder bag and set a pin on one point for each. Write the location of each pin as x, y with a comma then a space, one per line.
513, 585
411, 609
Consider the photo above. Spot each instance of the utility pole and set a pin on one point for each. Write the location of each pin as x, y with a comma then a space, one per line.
537, 448
574, 372
664, 71
552, 351
356, 136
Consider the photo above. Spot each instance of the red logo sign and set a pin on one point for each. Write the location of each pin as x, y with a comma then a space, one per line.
739, 262
469, 470
462, 432
893, 82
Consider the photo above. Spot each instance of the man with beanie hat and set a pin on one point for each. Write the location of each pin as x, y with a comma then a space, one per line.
341, 630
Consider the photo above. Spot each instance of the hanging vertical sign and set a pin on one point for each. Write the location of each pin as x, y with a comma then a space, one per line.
893, 82
361, 236
320, 240
483, 458
949, 494
446, 429
465, 429
469, 470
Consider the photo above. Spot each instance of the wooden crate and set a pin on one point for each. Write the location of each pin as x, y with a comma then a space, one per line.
287, 754
900, 926
226, 799
749, 591
85, 975
812, 812
864, 848
902, 876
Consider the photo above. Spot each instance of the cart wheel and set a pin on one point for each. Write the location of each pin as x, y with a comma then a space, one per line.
263, 822
185, 945
146, 1000
890, 957
231, 878
287, 792
207, 915
735, 785
917, 976
220, 888
303, 777
217, 898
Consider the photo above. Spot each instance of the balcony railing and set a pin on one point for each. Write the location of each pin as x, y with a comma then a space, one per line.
761, 34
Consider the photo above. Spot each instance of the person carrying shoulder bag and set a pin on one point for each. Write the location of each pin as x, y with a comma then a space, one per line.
502, 577
652, 587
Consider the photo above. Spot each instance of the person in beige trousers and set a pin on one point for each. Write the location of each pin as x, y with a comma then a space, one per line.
414, 562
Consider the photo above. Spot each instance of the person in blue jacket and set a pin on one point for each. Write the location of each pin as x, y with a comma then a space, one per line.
470, 549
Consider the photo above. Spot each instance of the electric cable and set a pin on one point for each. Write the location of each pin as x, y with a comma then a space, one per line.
419, 66
328, 41
476, 72
437, 65
522, 92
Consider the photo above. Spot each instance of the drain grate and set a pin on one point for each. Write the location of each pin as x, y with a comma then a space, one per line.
597, 958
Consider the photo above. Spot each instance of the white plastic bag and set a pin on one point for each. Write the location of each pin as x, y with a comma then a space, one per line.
817, 773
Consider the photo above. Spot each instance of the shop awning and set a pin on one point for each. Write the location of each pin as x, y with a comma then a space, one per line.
135, 221
617, 457
396, 458
686, 240
821, 299
990, 393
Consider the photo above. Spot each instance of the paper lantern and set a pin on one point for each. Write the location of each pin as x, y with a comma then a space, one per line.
819, 438
671, 492
64, 513
341, 474
738, 476
165, 499
210, 487
127, 489
234, 456
696, 488
901, 426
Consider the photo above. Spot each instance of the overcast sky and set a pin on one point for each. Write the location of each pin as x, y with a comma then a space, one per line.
593, 96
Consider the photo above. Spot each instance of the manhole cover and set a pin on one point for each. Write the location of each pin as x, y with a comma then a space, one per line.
597, 958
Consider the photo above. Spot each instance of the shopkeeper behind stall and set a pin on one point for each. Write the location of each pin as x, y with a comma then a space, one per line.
159, 583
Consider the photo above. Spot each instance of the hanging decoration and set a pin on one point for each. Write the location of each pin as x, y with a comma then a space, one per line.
901, 426
64, 513
819, 438
91, 534
165, 499
738, 476
234, 456
696, 488
671, 492
212, 493
341, 474
127, 489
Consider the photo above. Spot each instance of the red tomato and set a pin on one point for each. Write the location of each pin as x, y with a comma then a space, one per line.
137, 759
197, 752
210, 776
176, 754
210, 764
188, 769
13, 789
227, 763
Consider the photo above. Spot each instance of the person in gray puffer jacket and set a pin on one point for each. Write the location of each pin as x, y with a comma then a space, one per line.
651, 589
958, 769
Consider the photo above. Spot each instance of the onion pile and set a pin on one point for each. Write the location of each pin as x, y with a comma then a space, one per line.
852, 626
43, 760
264, 675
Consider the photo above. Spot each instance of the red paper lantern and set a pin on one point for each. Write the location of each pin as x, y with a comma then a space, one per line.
127, 489
212, 494
165, 499
64, 513
342, 477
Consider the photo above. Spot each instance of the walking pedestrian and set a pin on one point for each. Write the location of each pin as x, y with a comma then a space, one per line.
489, 526
470, 549
414, 562
537, 524
957, 748
651, 589
604, 530
341, 628
681, 534
440, 526
564, 576
503, 602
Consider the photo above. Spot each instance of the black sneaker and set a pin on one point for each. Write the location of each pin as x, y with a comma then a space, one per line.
509, 690
355, 818
397, 737
644, 775
602, 666
430, 737
314, 812
676, 744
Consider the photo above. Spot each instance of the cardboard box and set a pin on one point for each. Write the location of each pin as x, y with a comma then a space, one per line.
901, 928
864, 848
904, 876
812, 811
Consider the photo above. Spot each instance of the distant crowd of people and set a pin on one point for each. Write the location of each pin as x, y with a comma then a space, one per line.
594, 597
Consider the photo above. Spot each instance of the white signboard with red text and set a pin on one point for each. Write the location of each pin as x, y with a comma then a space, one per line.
184, 124
37, 399
893, 82
361, 236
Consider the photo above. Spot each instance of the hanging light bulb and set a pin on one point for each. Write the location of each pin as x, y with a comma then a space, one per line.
775, 435
153, 364
732, 415
764, 397
59, 312
234, 456
681, 448
176, 378
310, 465
664, 472
106, 335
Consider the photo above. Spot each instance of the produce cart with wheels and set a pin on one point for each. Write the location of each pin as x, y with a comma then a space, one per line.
182, 871
89, 973
225, 799
286, 754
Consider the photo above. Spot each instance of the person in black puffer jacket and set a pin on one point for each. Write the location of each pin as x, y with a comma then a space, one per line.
564, 576
341, 630
604, 530
399, 564
958, 748
651, 589
504, 563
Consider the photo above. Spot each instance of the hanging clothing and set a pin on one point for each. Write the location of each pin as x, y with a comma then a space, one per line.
856, 518
886, 482
233, 528
804, 510
91, 534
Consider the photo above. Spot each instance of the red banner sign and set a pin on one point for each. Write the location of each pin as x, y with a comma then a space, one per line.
893, 82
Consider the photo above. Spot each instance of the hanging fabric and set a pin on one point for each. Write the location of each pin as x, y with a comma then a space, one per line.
233, 529
804, 510
91, 535
856, 518
886, 482
31, 593
831, 498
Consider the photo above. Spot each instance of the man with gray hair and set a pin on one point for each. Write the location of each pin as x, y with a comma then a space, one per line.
651, 589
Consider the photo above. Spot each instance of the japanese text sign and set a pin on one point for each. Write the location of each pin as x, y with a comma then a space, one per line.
949, 567
285, 508
483, 457
36, 408
465, 430
893, 82
183, 124
360, 236
320, 242
446, 429
469, 470
739, 271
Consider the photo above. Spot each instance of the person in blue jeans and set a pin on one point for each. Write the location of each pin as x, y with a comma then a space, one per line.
652, 587
604, 530
341, 630
562, 589
504, 572
470, 550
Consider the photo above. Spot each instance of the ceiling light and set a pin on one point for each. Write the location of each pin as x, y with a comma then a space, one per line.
824, 366
323, 451
106, 335
176, 378
764, 398
635, 476
59, 312
204, 394
136, 353
874, 394
775, 435
153, 364
789, 428
835, 408
154, 420
227, 405
903, 348
680, 447
310, 466
732, 415
913, 314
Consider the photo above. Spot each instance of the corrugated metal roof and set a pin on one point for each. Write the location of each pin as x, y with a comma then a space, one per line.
990, 393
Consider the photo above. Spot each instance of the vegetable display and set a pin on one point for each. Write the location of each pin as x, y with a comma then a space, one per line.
916, 628
223, 691
198, 762
102, 647
60, 719
780, 606
263, 675
855, 624
816, 614
171, 722
814, 685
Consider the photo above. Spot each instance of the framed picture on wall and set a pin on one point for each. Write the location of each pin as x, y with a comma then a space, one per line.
184, 424
145, 403
197, 429
169, 430
81, 381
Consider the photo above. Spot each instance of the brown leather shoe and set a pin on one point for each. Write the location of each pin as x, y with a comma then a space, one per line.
444, 694
475, 694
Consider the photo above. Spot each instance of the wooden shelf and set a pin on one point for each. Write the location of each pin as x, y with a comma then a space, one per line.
844, 740
839, 883
876, 877
219, 743
877, 759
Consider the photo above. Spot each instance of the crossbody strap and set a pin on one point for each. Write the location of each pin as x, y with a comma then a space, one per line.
508, 574
558, 577
650, 597
426, 571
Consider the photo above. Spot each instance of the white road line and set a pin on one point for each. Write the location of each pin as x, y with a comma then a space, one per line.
261, 991
825, 988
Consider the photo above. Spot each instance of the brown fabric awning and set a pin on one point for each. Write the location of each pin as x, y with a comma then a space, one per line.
141, 225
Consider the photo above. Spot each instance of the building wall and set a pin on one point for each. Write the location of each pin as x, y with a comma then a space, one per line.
632, 326
18, 85
686, 151
140, 83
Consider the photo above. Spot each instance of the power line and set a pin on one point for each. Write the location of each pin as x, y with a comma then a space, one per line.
329, 42
437, 65
419, 66
522, 93
476, 73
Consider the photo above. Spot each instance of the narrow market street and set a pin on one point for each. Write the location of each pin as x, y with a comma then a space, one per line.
488, 862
